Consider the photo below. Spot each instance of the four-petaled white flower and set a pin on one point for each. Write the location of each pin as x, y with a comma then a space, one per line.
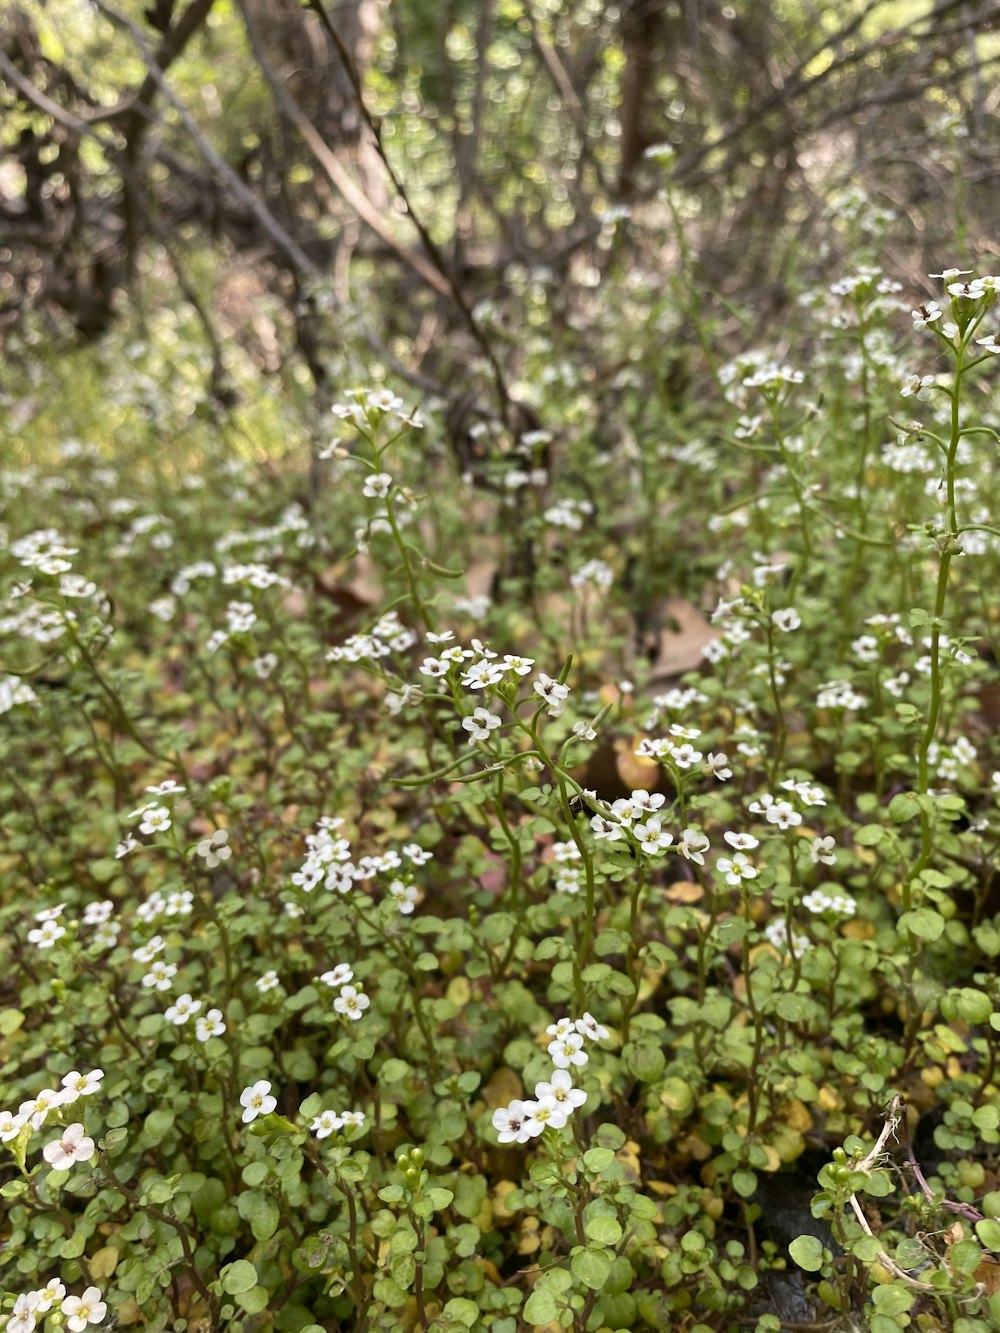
560, 1088
736, 869
552, 692
338, 976
209, 1025
508, 1121
480, 724
376, 486
481, 674
73, 1146
693, 845
588, 1026
653, 837
256, 1100
351, 1002
568, 1051
787, 619
214, 850
156, 819
823, 849
82, 1085
182, 1009
325, 1123
83, 1310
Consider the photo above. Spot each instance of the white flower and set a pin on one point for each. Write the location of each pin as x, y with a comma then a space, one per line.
519, 665
325, 1123
567, 1051
73, 1146
588, 1026
256, 1100
214, 849
37, 1108
434, 666
540, 1114
209, 1025
268, 981
605, 830
481, 674
376, 486
562, 1027
182, 1009
83, 1310
405, 895
717, 766
783, 813
353, 1119
160, 975
351, 1002
553, 693
51, 1294
736, 869
22, 1318
147, 952
126, 845
338, 976
786, 619
693, 844
82, 1085
560, 1089
652, 836
168, 787
480, 724
823, 849
10, 1125
46, 934
156, 819
95, 914
508, 1121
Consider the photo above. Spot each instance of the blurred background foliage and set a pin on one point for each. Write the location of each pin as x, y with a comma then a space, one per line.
215, 213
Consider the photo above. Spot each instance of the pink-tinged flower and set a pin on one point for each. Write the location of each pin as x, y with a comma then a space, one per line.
74, 1146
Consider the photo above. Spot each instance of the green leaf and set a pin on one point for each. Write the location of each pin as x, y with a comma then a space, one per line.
744, 1183
462, 1311
238, 1277
254, 1300
540, 1307
870, 835
807, 1253
923, 922
988, 1232
604, 1229
598, 1159
261, 1211
591, 1267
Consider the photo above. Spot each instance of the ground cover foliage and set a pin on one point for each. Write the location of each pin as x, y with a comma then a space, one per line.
384, 949
500, 790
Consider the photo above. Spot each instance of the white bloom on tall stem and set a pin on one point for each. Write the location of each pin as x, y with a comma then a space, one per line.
480, 724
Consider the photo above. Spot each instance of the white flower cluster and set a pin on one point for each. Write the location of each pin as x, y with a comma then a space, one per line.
73, 1145
555, 1098
329, 862
388, 635
75, 1312
840, 694
838, 904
